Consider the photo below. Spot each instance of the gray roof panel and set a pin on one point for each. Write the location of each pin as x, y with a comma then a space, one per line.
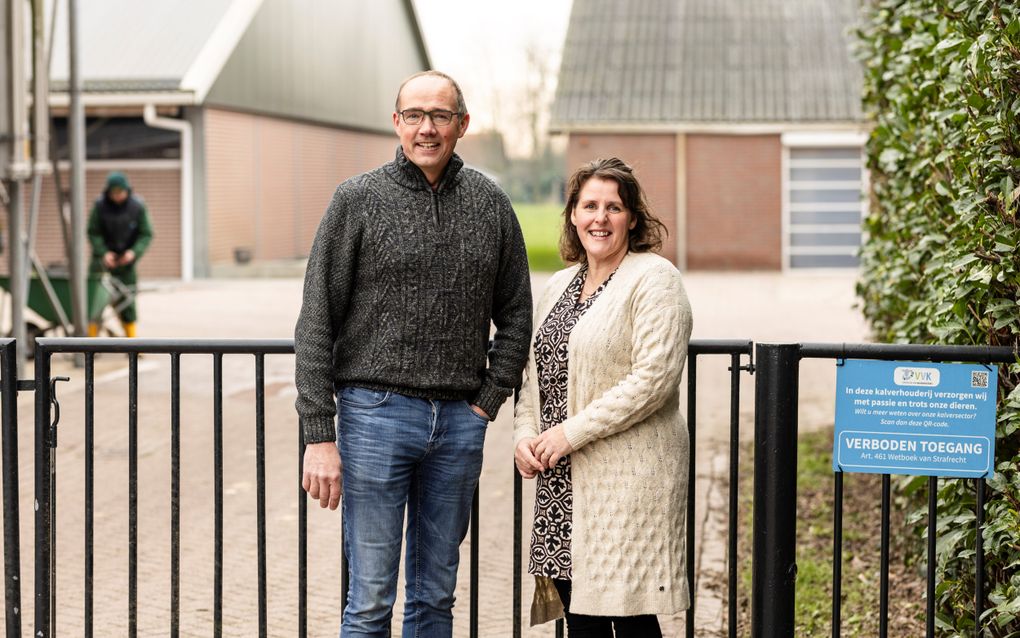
132, 41
701, 61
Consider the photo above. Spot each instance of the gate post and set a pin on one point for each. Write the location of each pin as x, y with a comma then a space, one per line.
43, 624
11, 490
774, 566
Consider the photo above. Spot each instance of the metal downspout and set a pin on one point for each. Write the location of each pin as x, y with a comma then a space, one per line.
187, 186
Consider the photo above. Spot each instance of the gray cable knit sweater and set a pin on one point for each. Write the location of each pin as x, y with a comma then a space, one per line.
401, 286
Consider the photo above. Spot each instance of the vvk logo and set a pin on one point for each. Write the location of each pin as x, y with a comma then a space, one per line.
916, 376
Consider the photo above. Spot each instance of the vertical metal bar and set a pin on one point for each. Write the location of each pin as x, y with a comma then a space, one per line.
175, 494
774, 562
473, 617
692, 412
518, 533
14, 161
302, 541
40, 95
12, 514
837, 555
76, 145
133, 495
559, 628
42, 492
53, 537
979, 558
19, 276
933, 484
75, 133
260, 470
734, 483
883, 569
345, 574
218, 495
90, 474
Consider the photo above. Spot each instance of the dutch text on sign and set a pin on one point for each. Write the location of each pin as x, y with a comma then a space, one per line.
915, 418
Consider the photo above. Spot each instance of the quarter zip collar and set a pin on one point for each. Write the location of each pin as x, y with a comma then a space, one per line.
407, 174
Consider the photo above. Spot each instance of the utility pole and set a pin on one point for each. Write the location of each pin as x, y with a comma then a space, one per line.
14, 165
76, 130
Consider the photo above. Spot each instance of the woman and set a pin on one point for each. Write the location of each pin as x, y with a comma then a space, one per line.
598, 420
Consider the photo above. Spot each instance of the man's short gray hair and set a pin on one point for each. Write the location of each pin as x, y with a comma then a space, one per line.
461, 105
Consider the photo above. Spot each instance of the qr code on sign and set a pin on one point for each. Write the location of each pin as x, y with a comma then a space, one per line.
979, 379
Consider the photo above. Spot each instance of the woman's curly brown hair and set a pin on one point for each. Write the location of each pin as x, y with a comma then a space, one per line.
648, 231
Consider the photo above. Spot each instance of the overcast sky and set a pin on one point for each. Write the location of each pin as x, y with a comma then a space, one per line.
482, 44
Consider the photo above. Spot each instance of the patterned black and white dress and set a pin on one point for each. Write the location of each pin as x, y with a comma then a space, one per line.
551, 533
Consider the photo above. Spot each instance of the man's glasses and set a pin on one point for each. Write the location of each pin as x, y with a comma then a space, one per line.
417, 116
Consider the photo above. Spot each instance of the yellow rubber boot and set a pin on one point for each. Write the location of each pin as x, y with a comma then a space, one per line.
129, 329
93, 329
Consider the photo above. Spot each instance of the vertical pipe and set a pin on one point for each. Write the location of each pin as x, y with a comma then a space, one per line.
979, 557
837, 555
133, 495
473, 617
76, 131
42, 493
883, 570
183, 127
518, 567
16, 162
90, 470
175, 494
774, 564
731, 591
40, 120
260, 480
218, 495
12, 515
40, 91
933, 485
302, 541
692, 412
19, 276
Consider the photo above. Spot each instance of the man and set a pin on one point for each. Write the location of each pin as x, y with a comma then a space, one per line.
410, 264
120, 232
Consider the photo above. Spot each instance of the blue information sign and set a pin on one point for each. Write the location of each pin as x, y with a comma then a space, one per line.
897, 417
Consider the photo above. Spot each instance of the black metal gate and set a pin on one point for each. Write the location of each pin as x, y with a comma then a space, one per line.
47, 416
775, 484
776, 369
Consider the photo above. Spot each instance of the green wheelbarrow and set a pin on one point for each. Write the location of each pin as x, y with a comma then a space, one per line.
102, 291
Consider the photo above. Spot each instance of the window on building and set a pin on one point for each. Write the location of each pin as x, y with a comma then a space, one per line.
823, 205
119, 138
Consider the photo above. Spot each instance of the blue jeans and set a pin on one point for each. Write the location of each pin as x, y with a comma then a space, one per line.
399, 452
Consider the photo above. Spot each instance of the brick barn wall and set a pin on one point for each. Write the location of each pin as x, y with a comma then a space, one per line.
734, 202
158, 182
653, 157
269, 180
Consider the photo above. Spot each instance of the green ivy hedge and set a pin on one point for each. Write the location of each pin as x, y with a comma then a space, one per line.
941, 263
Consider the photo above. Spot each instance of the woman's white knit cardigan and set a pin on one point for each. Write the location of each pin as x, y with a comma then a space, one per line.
630, 460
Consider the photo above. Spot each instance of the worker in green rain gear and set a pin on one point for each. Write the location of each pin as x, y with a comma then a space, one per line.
120, 232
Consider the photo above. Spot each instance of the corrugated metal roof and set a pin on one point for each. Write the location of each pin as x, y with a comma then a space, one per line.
136, 45
647, 62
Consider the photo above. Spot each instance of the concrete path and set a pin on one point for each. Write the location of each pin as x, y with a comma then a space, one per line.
761, 307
